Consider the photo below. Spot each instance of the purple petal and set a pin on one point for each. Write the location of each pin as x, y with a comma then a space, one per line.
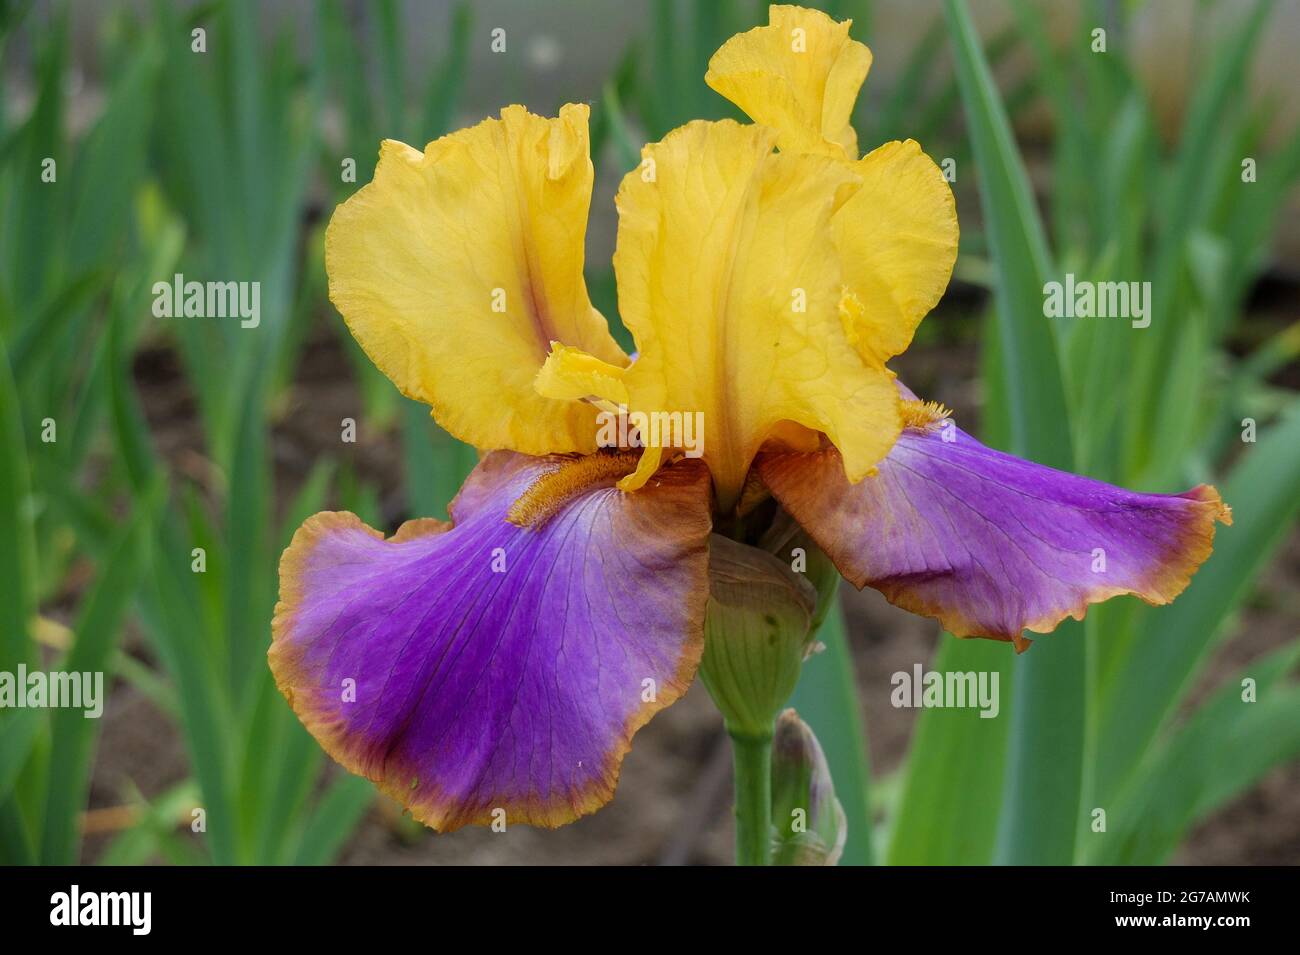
498, 667
987, 543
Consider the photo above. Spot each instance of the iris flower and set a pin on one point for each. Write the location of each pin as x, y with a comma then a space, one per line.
502, 662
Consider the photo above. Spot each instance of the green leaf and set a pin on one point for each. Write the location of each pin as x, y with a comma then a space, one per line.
30, 240
448, 81
628, 152
248, 598
43, 333
155, 832
1073, 200
111, 162
21, 730
436, 463
176, 629
278, 797
1222, 750
892, 120
15, 842
130, 431
1045, 757
952, 790
17, 548
1039, 420
1186, 203
72, 733
1173, 641
338, 813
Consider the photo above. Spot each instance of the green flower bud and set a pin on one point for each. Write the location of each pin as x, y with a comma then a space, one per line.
808, 821
756, 635
791, 544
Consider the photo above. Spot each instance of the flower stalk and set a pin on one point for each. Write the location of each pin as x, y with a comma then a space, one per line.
752, 761
757, 634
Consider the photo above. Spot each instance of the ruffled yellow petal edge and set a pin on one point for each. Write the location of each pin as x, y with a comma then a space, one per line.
897, 237
456, 267
800, 75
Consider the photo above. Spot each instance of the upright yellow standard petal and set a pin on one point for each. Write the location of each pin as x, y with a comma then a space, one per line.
800, 74
897, 238
729, 281
458, 266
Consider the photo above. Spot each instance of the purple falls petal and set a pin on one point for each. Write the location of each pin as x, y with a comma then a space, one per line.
481, 671
987, 543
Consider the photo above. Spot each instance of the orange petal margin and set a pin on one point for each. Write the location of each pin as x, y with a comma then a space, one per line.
481, 671
989, 544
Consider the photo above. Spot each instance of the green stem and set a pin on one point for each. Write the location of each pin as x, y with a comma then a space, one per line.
752, 758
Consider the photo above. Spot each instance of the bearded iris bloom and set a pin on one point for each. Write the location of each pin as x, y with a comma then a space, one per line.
504, 661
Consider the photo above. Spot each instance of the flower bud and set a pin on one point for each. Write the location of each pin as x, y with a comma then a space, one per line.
757, 634
807, 819
791, 544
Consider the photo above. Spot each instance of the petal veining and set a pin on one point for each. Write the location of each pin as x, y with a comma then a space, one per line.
458, 266
486, 666
987, 543
729, 281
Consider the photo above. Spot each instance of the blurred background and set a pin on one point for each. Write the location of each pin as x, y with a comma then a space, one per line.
140, 534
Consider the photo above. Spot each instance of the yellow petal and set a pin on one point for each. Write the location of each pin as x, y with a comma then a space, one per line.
897, 238
729, 281
800, 74
458, 266
651, 460
571, 374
